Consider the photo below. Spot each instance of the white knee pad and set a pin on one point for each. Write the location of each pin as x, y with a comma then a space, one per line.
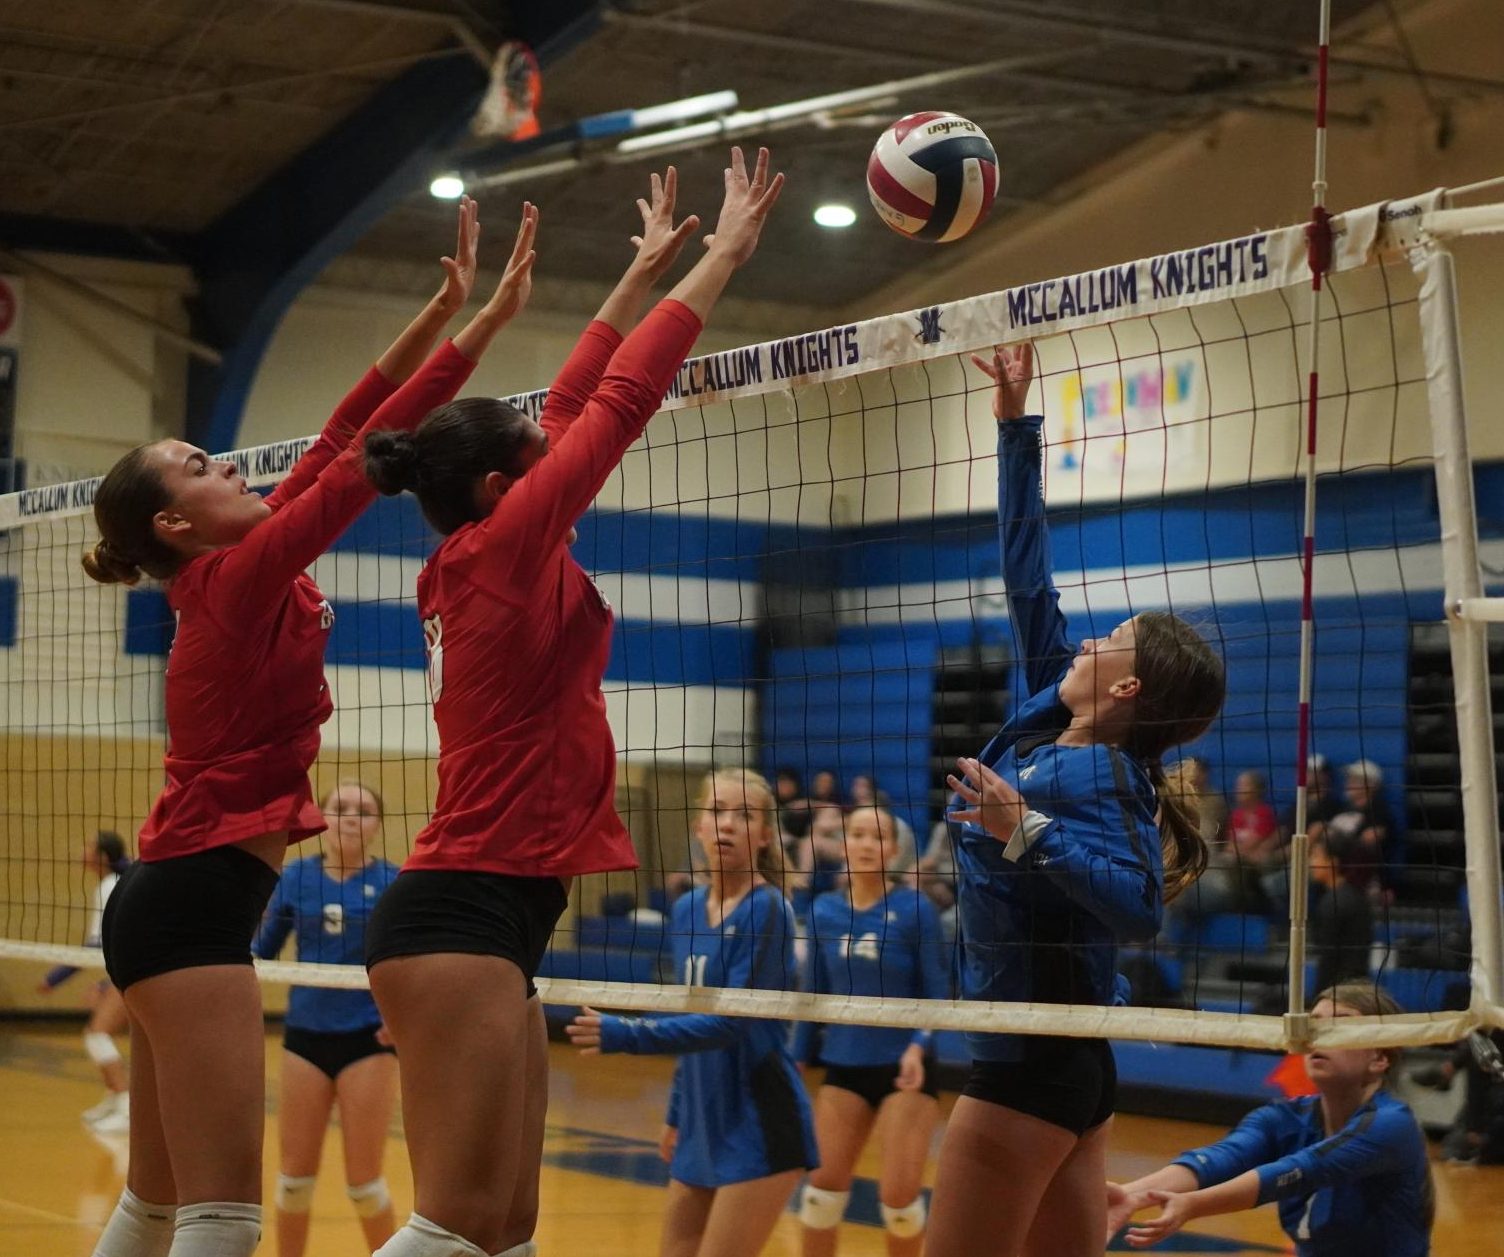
820, 1210
906, 1222
295, 1193
101, 1048
422, 1238
370, 1198
217, 1228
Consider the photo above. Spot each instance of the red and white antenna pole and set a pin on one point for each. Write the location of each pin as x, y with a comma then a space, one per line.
1319, 257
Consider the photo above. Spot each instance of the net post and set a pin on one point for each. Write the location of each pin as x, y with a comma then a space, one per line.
1462, 578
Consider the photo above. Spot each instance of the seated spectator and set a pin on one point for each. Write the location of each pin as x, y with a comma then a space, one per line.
1340, 928
820, 855
793, 807
1321, 805
824, 788
1218, 889
1363, 833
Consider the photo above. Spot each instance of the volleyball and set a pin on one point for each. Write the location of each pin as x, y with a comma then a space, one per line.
932, 176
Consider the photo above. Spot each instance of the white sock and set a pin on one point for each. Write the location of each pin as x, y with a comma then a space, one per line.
217, 1228
422, 1238
136, 1229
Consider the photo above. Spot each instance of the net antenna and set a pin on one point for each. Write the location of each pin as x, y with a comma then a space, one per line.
1319, 258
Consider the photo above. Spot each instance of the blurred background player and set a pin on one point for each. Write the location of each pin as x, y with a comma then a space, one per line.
1347, 1166
1068, 846
105, 858
518, 641
334, 1050
873, 938
738, 1132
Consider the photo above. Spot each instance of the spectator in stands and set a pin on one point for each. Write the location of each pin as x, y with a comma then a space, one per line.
1321, 805
1340, 929
824, 788
1254, 838
1362, 833
793, 807
819, 855
1217, 889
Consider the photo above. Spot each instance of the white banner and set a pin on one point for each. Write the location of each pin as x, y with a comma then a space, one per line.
1262, 262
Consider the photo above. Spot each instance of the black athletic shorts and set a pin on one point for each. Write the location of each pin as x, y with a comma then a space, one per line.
333, 1051
183, 913
1067, 1082
875, 1083
427, 911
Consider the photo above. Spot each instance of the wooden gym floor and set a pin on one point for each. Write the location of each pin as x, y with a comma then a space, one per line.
601, 1176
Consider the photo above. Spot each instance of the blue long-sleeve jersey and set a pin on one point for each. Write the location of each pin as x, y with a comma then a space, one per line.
330, 918
1042, 921
895, 947
1364, 1191
736, 1090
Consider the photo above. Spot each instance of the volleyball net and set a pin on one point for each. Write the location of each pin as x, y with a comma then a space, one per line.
802, 557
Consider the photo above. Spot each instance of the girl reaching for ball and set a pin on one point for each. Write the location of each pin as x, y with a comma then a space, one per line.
1065, 848
738, 1131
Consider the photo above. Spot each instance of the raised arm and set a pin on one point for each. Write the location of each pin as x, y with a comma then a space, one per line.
287, 543
657, 248
508, 550
403, 357
1033, 603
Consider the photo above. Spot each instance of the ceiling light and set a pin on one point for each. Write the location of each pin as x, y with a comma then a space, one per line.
835, 216
448, 187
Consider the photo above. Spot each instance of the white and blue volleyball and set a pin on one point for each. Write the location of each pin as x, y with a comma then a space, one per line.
932, 176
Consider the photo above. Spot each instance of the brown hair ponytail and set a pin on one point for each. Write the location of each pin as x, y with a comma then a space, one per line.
1181, 686
1183, 849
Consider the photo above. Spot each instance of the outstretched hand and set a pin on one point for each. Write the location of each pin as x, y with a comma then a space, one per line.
661, 242
585, 1032
1175, 1210
1122, 1204
745, 208
459, 270
1012, 371
994, 804
517, 280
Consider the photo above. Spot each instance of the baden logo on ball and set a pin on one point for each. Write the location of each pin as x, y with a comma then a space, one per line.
932, 176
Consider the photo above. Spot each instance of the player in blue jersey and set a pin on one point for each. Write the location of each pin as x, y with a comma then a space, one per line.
738, 1133
334, 1049
1347, 1167
872, 939
1065, 848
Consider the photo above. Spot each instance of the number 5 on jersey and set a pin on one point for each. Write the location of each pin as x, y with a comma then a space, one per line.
433, 637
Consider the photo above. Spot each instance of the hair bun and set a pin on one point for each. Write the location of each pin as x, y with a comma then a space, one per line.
108, 567
392, 462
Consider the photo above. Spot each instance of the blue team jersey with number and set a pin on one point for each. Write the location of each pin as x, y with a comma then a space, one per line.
1042, 921
1364, 1191
737, 1100
894, 948
329, 918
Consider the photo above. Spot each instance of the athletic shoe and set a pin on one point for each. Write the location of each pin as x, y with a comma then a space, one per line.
103, 1109
118, 1120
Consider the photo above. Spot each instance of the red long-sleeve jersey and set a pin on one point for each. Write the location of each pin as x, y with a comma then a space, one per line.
245, 691
518, 635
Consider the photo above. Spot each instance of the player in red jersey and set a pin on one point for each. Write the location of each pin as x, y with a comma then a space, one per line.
518, 640
245, 696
